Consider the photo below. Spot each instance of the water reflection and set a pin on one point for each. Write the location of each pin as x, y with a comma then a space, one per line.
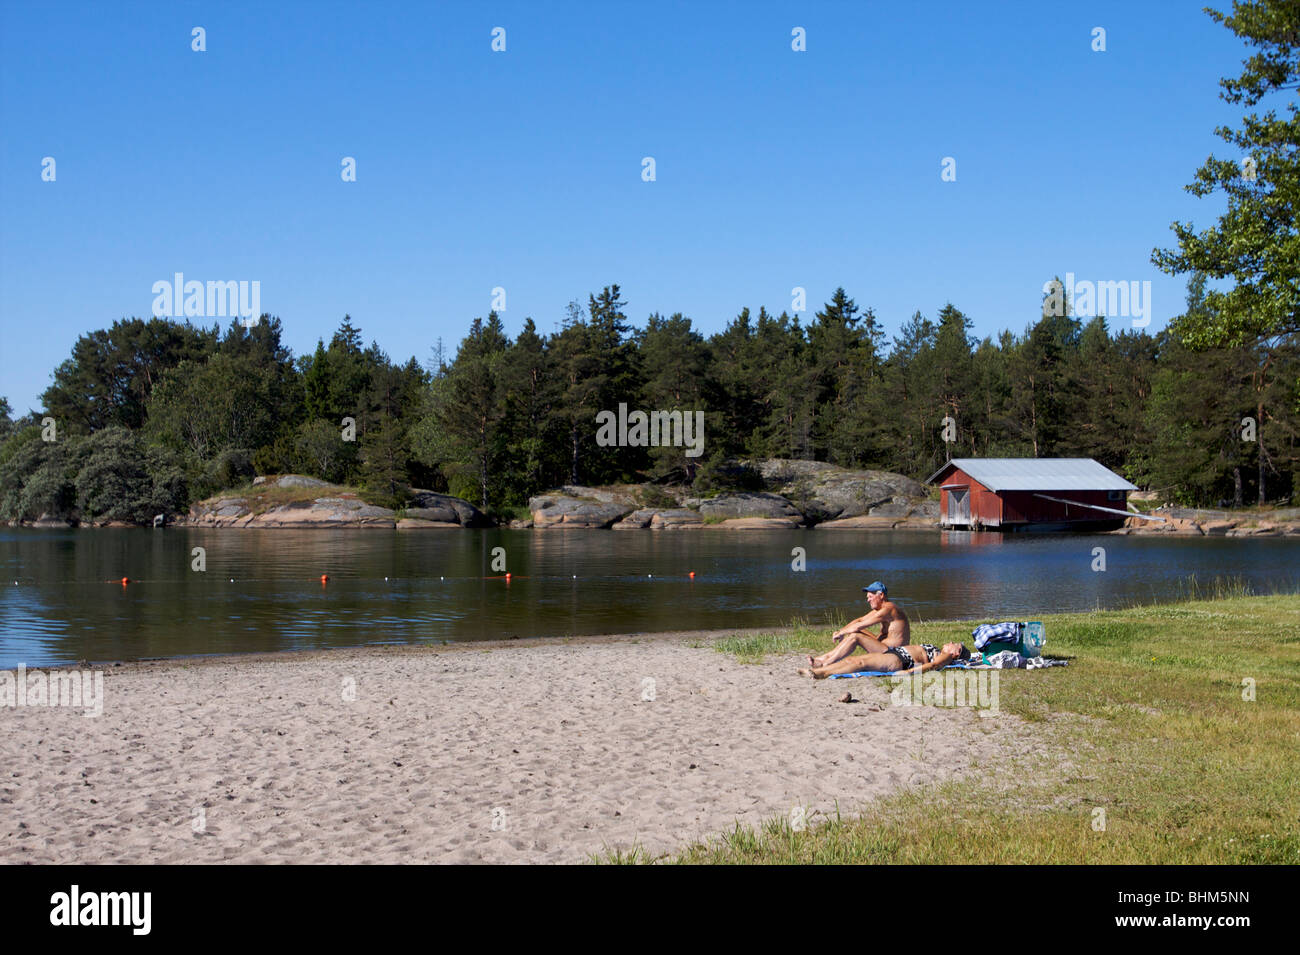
262, 590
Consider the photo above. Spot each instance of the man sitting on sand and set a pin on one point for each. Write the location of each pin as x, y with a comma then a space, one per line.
919, 659
895, 631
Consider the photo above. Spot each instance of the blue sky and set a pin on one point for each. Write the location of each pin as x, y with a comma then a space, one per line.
522, 169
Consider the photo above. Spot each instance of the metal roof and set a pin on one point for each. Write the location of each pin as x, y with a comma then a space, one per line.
1038, 474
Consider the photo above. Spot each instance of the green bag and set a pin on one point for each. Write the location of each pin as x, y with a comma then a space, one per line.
1032, 637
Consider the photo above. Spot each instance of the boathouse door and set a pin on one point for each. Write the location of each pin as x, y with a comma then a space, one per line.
959, 505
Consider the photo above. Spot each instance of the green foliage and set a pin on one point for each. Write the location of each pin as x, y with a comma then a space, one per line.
1194, 446
233, 467
532, 440
321, 451
111, 475
720, 473
204, 409
843, 367
384, 453
1256, 241
673, 363
34, 478
651, 495
335, 379
112, 372
467, 406
120, 479
506, 420
395, 497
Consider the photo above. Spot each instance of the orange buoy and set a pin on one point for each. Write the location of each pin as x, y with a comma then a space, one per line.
507, 575
324, 578
692, 575
125, 581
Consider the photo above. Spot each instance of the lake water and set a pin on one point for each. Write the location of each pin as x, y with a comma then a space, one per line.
68, 603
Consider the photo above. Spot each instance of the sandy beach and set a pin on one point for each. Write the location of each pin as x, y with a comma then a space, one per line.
520, 752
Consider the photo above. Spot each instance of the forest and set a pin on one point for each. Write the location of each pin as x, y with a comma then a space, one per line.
147, 415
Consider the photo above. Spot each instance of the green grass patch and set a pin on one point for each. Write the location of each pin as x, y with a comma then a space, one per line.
263, 497
652, 495
1150, 725
801, 637
505, 513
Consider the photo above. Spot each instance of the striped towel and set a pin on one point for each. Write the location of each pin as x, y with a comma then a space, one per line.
986, 633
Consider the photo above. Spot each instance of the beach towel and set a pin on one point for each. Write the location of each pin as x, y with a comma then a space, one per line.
986, 633
849, 676
1031, 663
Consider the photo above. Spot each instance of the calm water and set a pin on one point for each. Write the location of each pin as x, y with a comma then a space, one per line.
67, 604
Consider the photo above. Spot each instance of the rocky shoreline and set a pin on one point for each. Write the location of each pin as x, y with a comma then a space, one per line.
786, 495
792, 494
336, 507
1212, 523
795, 494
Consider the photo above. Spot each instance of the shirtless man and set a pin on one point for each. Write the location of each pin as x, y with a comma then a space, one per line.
895, 631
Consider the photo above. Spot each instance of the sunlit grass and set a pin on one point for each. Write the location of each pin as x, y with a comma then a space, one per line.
800, 637
1152, 724
261, 497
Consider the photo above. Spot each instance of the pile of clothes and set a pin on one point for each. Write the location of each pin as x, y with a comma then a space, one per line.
1011, 660
1010, 634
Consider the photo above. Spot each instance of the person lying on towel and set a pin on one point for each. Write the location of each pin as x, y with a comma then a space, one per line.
895, 631
916, 659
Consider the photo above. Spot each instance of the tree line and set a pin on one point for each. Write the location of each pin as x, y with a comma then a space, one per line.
148, 415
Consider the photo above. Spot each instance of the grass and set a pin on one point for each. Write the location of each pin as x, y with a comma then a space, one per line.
1149, 725
1220, 588
801, 637
263, 497
506, 513
1145, 507
652, 495
1257, 512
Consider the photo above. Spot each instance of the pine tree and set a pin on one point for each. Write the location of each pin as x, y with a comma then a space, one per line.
1256, 241
673, 362
531, 389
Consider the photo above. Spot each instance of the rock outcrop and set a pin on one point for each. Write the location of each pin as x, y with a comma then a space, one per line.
825, 492
1215, 523
575, 506
793, 494
673, 518
334, 511
340, 508
745, 504
429, 507
51, 520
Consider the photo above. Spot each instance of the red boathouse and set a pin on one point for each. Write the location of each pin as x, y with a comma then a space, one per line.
1030, 494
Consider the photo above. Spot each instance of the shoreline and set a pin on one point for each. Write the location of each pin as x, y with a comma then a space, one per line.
1178, 527
627, 639
1189, 522
266, 656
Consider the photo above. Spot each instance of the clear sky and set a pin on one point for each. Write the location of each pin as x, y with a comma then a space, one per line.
523, 169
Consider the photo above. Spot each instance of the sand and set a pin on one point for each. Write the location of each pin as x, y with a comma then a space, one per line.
538, 752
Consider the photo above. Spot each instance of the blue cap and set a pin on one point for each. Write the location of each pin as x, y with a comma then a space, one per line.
876, 585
